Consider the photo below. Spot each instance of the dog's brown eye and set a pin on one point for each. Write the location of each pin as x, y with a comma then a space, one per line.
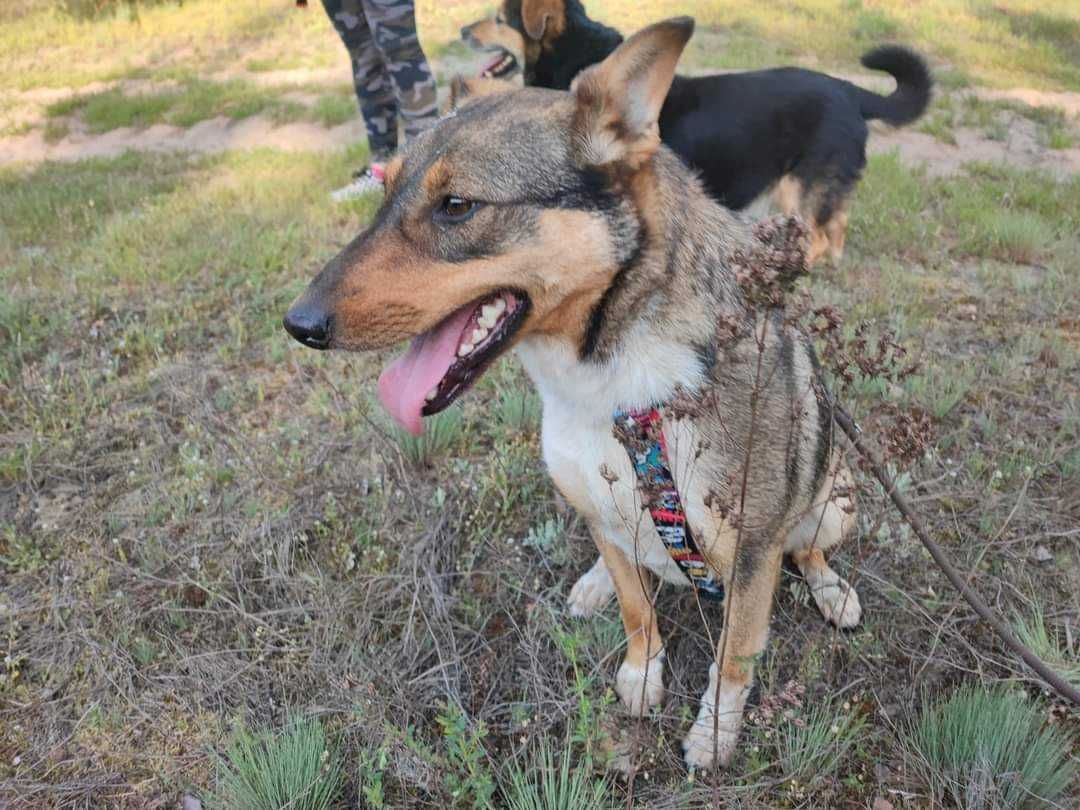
456, 209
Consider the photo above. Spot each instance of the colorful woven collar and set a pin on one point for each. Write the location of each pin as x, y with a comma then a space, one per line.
641, 432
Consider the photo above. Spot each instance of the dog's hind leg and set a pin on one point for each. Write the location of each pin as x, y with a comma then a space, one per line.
592, 591
750, 593
640, 680
836, 231
791, 199
823, 526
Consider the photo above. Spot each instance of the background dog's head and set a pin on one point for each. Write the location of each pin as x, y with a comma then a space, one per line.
508, 218
520, 30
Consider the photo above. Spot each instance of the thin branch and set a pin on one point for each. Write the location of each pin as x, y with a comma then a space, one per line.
1052, 678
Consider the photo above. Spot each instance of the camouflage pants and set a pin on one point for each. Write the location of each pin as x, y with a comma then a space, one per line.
391, 74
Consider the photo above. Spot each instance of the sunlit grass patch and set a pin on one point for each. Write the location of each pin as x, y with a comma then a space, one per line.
331, 109
193, 101
1014, 236
295, 768
887, 209
989, 749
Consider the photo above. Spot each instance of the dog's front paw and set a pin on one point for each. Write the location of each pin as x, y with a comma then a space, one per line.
838, 602
592, 591
641, 688
701, 743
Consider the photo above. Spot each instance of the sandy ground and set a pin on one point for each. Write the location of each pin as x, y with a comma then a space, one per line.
1019, 148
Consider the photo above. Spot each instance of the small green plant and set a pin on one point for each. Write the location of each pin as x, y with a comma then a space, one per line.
296, 769
440, 433
984, 750
1048, 644
518, 410
811, 747
544, 782
372, 764
468, 777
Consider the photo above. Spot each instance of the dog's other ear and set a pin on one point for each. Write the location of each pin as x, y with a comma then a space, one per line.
464, 89
619, 100
543, 17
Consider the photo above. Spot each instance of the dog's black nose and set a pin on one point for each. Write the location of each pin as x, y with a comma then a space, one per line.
308, 324
465, 32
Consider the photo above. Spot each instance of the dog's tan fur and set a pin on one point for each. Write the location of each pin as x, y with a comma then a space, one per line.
627, 266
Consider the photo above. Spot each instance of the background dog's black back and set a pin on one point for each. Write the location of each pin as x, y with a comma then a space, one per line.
745, 131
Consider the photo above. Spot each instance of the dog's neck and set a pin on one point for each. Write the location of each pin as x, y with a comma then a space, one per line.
584, 42
654, 329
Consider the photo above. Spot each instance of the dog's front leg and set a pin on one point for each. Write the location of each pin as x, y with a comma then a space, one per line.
750, 597
640, 681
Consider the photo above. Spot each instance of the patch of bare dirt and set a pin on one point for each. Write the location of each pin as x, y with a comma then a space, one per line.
1019, 148
214, 135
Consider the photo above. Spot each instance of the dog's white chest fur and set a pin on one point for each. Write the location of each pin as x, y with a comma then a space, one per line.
589, 466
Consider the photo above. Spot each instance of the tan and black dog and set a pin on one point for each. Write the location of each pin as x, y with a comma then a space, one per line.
557, 224
796, 133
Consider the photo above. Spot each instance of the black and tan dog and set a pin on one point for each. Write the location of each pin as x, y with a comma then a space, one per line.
798, 132
557, 224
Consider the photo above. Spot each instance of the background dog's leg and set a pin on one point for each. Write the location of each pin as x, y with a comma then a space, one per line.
592, 591
837, 233
750, 596
640, 682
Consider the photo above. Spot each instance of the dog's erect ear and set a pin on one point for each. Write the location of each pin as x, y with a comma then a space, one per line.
543, 17
619, 100
464, 89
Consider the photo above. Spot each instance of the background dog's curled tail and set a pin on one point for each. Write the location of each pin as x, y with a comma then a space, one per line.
913, 85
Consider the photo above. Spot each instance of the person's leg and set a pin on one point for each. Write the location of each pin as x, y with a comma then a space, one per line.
394, 25
374, 88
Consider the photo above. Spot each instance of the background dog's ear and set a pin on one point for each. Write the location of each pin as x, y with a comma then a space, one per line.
543, 16
619, 100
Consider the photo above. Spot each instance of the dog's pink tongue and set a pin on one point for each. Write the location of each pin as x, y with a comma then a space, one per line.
404, 384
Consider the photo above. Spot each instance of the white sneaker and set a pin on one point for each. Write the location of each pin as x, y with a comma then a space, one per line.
366, 181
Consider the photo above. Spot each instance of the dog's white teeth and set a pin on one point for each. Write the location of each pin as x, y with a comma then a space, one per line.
499, 306
431, 394
478, 335
464, 349
489, 314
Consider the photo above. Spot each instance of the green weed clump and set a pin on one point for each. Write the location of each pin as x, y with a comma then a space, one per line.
546, 782
296, 769
441, 432
814, 748
983, 750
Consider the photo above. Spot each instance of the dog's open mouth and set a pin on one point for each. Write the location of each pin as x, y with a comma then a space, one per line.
443, 362
503, 65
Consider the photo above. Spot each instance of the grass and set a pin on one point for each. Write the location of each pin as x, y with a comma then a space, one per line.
202, 522
195, 100
990, 749
441, 433
993, 119
296, 768
811, 748
1049, 644
1011, 43
546, 781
